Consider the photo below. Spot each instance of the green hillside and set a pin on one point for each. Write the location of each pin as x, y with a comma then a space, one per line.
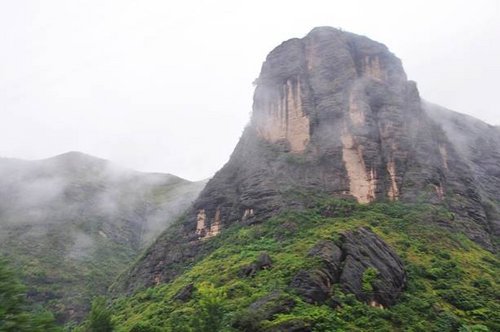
72, 223
16, 315
453, 284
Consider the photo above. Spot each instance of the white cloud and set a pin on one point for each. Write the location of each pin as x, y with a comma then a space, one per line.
166, 86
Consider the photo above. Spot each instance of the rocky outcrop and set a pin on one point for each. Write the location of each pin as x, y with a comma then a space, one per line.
364, 251
333, 113
265, 308
205, 230
185, 293
316, 286
313, 286
363, 265
263, 262
331, 257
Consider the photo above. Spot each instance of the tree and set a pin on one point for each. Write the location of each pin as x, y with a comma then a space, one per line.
15, 313
209, 311
100, 316
12, 300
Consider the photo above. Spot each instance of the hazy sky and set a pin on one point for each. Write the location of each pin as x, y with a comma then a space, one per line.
167, 85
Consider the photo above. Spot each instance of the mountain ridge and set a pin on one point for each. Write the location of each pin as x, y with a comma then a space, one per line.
71, 222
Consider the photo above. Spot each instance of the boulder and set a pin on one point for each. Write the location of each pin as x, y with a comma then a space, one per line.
364, 265
263, 262
313, 286
185, 293
364, 250
264, 308
331, 258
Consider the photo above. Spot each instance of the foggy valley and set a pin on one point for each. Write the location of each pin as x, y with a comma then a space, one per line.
73, 216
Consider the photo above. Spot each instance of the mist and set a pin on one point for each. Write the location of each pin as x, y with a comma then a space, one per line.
90, 199
73, 222
465, 132
164, 88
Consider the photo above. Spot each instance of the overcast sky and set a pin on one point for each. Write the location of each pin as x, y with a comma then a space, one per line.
166, 86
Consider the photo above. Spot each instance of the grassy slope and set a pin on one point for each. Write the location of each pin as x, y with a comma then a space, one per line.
453, 283
62, 284
70, 247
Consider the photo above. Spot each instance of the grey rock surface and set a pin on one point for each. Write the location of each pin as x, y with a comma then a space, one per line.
363, 250
334, 113
347, 266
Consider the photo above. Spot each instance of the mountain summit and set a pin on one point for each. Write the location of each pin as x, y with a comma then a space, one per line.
335, 113
346, 194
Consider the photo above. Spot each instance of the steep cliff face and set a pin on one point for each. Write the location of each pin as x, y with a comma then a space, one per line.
478, 144
337, 113
333, 113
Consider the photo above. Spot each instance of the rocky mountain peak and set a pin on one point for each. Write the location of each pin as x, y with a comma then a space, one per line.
333, 114
330, 91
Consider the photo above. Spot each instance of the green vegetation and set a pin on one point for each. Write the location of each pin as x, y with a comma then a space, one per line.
208, 312
453, 284
63, 283
100, 316
72, 223
369, 277
15, 313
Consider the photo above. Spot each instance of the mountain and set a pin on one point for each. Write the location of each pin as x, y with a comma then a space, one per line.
334, 113
71, 223
478, 144
348, 203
